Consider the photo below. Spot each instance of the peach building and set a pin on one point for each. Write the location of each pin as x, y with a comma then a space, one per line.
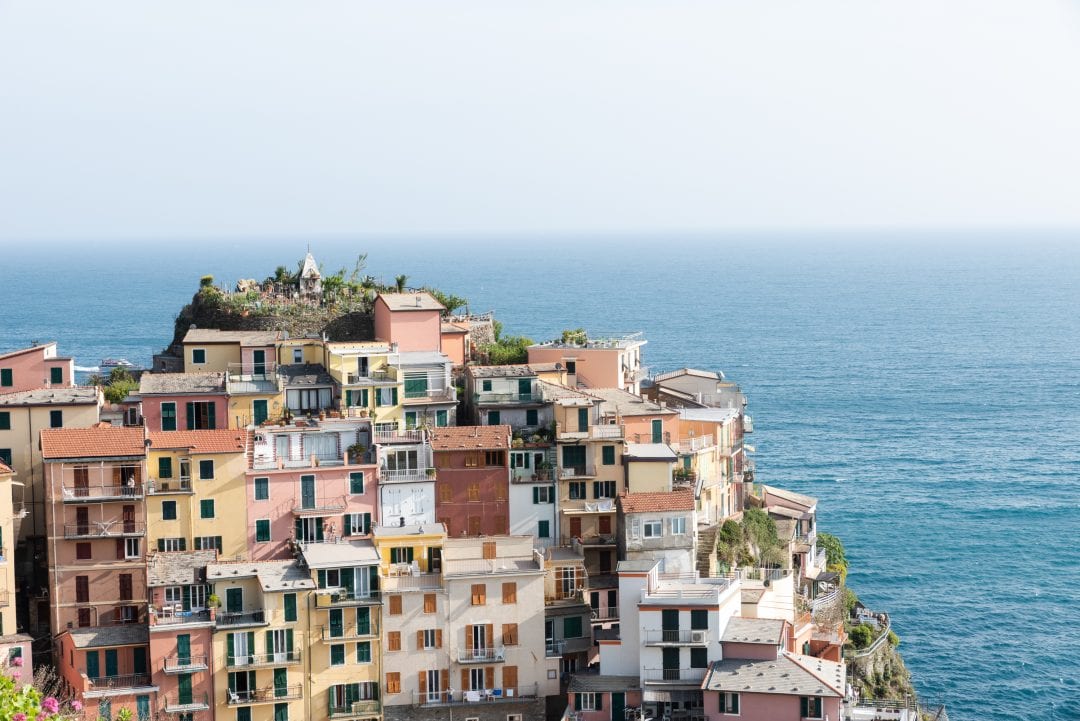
608, 362
411, 320
36, 367
184, 401
12, 644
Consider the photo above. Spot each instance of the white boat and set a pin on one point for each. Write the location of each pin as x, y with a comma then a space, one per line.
116, 363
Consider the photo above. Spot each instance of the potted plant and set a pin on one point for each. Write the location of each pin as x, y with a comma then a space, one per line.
431, 473
213, 601
356, 452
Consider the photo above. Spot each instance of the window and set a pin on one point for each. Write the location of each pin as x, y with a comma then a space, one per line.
445, 493
571, 366
164, 467
494, 458
543, 529
131, 548
603, 489
729, 703
531, 417
429, 603
699, 620
489, 550
510, 634
297, 355
198, 356
206, 470
678, 526
5, 456
171, 544
201, 416
356, 482
607, 454
472, 460
654, 529
5, 378
337, 654
262, 489
208, 543
494, 418
485, 386
5, 420
56, 375
386, 396
577, 490
410, 420
395, 605
262, 530
243, 713
56, 419
82, 551
571, 627
442, 419
401, 555
168, 510
206, 508
588, 702
281, 712
426, 639
474, 492
124, 583
357, 524
393, 640
810, 707
393, 682
168, 416
363, 652
288, 602
509, 592
699, 658
479, 594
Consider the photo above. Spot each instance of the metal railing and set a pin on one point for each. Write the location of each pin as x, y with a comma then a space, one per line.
104, 529
433, 394
807, 538
506, 694
676, 637
875, 645
169, 485
321, 507
422, 582
695, 444
350, 632
274, 658
241, 618
613, 431
674, 675
343, 597
406, 474
610, 613
665, 437
128, 680
171, 617
415, 435
554, 649
380, 376
251, 378
184, 664
356, 708
586, 471
489, 397
481, 655
270, 694
174, 704
73, 494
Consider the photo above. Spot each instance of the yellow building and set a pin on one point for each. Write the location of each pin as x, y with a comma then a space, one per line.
345, 656
370, 382
212, 350
12, 645
196, 494
261, 643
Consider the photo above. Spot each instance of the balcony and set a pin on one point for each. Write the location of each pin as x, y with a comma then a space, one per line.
164, 486
488, 398
356, 708
677, 637
406, 475
350, 632
807, 538
175, 704
665, 437
184, 664
270, 694
102, 494
608, 431
494, 695
432, 395
602, 615
384, 435
419, 582
169, 616
251, 378
241, 619
585, 471
327, 598
105, 529
256, 660
481, 655
130, 680
674, 675
326, 507
696, 443
371, 377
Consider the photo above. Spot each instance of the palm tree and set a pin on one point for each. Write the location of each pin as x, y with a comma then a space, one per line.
400, 282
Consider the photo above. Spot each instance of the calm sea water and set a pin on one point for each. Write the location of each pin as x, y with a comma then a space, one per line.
926, 390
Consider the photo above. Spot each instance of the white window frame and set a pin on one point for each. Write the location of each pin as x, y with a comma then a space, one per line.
173, 594
678, 526
725, 703
429, 640
588, 701
171, 544
545, 494
356, 524
298, 355
652, 529
129, 544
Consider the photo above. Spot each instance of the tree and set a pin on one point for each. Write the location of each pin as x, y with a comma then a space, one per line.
399, 282
835, 559
576, 336
449, 301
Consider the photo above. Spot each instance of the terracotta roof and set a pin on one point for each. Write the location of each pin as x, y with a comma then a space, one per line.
410, 301
219, 441
100, 441
461, 438
680, 500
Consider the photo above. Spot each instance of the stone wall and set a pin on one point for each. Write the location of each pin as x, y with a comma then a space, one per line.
532, 710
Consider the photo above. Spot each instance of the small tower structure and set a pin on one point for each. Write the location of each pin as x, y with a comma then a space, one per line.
310, 279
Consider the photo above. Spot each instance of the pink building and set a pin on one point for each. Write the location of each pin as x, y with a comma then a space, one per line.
603, 698
455, 342
610, 362
184, 401
107, 668
310, 485
412, 320
36, 367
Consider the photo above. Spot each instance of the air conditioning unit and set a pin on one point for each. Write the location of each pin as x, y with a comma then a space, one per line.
697, 637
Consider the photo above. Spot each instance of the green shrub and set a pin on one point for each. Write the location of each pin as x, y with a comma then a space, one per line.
861, 636
206, 281
894, 640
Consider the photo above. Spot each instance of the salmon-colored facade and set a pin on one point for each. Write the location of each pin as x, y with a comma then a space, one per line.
35, 367
473, 485
411, 320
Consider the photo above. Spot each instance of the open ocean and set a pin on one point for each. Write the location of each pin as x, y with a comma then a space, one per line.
925, 389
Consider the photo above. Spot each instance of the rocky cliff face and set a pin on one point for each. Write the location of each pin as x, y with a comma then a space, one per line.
882, 674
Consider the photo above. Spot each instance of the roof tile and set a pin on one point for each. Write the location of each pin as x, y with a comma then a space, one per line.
677, 500
100, 441
461, 438
218, 441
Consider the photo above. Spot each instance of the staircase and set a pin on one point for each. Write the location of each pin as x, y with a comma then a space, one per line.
706, 547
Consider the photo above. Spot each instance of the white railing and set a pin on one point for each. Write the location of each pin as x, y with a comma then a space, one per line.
698, 443
406, 474
676, 637
481, 655
612, 431
400, 436
674, 675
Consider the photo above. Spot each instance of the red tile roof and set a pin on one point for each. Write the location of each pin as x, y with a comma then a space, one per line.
219, 441
463, 438
100, 441
678, 500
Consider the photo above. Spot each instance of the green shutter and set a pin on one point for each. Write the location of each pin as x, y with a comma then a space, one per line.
442, 419
206, 508
577, 702
190, 407
290, 607
599, 701
213, 411
364, 397
92, 669
393, 396
356, 482
262, 530
164, 467
161, 544
183, 544
206, 469
348, 398
138, 659
5, 420
804, 706
322, 578
536, 494
5, 377
608, 453
56, 375
229, 646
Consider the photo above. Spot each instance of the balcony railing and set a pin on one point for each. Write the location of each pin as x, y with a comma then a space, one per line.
422, 582
481, 655
175, 704
91, 494
252, 378
554, 649
695, 444
807, 538
270, 694
612, 431
172, 617
184, 664
489, 398
350, 632
400, 436
405, 475
105, 529
242, 618
129, 680
342, 597
322, 507
493, 695
356, 708
379, 376
610, 613
169, 485
445, 395
277, 658
665, 437
674, 675
676, 637
585, 471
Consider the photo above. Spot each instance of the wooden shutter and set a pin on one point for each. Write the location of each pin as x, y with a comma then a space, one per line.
420, 641
489, 635
429, 603
489, 677
393, 640
489, 550
395, 605
510, 678
510, 634
464, 680
423, 682
509, 592
438, 644
119, 549
444, 677
393, 682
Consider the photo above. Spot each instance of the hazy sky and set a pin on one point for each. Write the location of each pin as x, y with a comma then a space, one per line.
232, 118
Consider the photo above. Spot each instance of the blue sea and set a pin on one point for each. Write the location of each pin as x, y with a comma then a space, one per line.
925, 388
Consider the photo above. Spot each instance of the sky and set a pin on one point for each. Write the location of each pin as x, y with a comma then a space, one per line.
254, 118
